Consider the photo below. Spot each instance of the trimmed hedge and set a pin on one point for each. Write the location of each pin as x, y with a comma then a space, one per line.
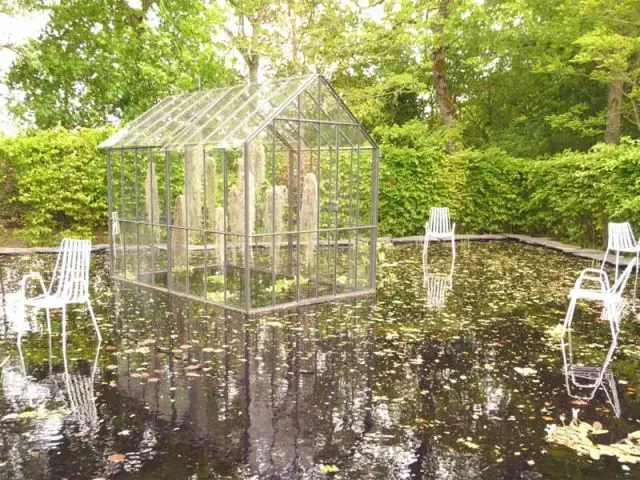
570, 196
53, 183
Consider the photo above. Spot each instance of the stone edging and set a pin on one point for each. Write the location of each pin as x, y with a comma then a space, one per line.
586, 253
32, 250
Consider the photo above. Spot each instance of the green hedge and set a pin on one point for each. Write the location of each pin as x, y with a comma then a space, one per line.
570, 196
53, 183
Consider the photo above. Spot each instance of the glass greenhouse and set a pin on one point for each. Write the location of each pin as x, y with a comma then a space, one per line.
252, 197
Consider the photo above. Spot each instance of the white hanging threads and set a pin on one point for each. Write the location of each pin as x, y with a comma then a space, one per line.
275, 203
193, 189
309, 215
257, 161
235, 219
211, 194
152, 201
179, 235
219, 237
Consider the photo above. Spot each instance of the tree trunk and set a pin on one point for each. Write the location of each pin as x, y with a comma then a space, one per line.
438, 68
614, 101
253, 62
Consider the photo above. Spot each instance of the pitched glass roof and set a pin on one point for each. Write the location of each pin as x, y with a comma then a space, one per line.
226, 117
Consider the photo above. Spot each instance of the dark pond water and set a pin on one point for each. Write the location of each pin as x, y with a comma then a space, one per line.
444, 377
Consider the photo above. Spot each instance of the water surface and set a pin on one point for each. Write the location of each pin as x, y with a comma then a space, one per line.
418, 382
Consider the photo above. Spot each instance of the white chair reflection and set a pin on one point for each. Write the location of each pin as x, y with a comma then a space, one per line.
584, 381
80, 395
437, 285
609, 295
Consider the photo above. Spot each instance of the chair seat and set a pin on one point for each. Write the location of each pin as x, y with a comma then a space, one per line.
51, 301
590, 294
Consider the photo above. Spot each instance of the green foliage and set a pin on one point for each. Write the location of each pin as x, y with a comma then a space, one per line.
54, 183
98, 60
573, 195
570, 196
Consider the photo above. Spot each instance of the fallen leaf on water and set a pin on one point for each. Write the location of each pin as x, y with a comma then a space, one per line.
116, 457
329, 468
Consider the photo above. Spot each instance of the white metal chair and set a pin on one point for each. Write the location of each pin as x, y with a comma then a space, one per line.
439, 227
621, 239
610, 296
69, 284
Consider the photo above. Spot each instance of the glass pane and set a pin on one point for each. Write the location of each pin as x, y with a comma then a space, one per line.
326, 258
262, 266
365, 191
142, 134
346, 261
213, 273
213, 184
363, 258
328, 191
235, 248
120, 137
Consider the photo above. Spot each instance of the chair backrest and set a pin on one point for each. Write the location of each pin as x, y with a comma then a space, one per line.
618, 287
71, 272
439, 221
620, 236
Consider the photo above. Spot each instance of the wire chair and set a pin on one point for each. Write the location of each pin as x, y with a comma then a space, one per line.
69, 284
610, 296
621, 239
439, 226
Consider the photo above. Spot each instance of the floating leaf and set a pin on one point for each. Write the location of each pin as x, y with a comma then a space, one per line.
116, 457
329, 468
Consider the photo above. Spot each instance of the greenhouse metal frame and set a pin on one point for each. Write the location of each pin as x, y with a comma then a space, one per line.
253, 198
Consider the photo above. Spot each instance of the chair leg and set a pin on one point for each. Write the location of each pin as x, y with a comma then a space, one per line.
453, 247
604, 260
569, 316
50, 341
617, 263
425, 251
64, 337
95, 322
48, 321
19, 345
635, 283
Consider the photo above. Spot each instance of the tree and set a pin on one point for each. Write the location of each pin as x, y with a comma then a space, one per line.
611, 49
100, 60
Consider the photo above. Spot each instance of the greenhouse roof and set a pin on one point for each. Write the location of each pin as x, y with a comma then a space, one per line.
228, 117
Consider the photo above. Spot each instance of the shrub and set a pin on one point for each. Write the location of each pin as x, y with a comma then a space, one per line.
54, 183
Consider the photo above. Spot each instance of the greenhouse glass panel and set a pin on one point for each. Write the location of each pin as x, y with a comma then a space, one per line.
254, 198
